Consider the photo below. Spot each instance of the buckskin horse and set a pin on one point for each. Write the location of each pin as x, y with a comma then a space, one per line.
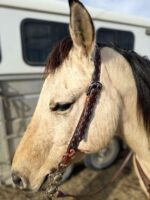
123, 106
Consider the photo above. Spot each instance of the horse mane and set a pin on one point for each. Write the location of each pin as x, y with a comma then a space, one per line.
141, 71
58, 54
140, 66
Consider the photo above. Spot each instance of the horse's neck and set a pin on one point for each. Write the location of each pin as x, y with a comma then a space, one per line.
131, 129
135, 136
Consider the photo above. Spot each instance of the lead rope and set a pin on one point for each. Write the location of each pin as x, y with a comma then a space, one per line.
60, 194
105, 186
145, 179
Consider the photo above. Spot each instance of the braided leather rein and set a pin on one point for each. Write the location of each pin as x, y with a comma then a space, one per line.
93, 93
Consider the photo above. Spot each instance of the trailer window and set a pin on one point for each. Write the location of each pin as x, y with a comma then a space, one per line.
39, 37
123, 39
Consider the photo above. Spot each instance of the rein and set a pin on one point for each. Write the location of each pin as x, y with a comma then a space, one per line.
93, 94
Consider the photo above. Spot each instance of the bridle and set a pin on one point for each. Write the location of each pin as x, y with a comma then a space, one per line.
93, 93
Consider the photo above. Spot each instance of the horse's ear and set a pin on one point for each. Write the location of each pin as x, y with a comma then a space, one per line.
81, 27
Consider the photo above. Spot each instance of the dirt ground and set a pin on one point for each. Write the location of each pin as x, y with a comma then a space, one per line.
84, 181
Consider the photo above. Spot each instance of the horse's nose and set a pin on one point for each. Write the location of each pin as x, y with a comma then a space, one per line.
19, 181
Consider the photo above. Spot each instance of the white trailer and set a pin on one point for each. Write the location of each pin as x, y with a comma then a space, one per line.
28, 31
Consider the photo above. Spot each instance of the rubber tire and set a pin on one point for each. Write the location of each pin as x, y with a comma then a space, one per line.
113, 149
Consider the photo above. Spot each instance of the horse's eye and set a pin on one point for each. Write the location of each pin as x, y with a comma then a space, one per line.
61, 106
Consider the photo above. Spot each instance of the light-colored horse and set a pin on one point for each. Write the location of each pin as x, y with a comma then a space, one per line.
123, 106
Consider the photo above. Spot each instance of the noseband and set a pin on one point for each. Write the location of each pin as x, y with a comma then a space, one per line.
92, 93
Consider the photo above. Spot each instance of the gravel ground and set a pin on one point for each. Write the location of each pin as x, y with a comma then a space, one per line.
85, 181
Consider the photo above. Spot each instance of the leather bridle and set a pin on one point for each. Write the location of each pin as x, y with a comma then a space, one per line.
93, 94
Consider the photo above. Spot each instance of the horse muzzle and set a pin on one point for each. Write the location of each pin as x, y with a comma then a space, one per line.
19, 181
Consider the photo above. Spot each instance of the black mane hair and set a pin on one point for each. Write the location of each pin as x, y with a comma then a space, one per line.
140, 68
58, 54
141, 71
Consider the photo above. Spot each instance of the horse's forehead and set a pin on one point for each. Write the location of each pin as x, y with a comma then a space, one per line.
70, 79
68, 75
57, 80
57, 85
53, 86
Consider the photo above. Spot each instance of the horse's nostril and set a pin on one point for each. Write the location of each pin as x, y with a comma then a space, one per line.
19, 181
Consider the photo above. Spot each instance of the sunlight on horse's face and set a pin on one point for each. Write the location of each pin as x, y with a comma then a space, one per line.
59, 108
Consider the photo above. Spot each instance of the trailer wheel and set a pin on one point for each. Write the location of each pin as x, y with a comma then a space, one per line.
104, 158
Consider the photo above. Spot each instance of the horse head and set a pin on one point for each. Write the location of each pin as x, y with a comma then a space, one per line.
68, 74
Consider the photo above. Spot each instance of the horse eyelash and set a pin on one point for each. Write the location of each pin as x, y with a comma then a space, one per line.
61, 106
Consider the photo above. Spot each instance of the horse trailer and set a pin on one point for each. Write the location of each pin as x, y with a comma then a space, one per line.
28, 32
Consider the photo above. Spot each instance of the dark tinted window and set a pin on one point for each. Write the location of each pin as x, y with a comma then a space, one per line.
39, 37
123, 39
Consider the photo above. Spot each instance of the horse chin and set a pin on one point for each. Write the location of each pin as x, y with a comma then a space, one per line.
44, 183
40, 188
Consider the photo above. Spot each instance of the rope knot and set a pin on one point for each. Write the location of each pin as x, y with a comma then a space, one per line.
97, 86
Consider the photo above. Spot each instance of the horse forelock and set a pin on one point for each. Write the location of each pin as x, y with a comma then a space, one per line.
58, 54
